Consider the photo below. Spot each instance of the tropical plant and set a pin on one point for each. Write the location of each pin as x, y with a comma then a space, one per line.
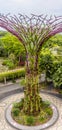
1, 48
46, 63
11, 45
57, 78
49, 63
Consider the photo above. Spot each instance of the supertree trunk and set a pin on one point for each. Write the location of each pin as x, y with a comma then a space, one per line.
31, 92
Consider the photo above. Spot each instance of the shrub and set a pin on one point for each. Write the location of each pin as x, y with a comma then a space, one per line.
11, 75
15, 111
4, 62
30, 120
19, 104
46, 103
49, 63
23, 82
46, 63
48, 111
57, 78
9, 64
12, 57
42, 116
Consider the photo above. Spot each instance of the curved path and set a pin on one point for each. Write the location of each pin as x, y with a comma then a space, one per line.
5, 101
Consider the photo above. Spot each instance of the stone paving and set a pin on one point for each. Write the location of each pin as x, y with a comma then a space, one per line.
4, 104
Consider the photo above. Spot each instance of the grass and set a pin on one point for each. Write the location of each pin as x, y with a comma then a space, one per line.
19, 116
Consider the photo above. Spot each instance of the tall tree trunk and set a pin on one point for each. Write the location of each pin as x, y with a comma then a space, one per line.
31, 91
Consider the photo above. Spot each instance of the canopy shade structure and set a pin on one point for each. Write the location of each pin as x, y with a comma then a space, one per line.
41, 26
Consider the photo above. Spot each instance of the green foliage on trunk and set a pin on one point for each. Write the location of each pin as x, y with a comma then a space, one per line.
32, 99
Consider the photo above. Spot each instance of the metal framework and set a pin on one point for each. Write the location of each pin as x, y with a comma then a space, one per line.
34, 29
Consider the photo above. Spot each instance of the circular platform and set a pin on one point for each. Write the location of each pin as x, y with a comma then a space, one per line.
39, 127
4, 125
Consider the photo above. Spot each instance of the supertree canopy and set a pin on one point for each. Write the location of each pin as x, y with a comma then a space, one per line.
39, 27
33, 32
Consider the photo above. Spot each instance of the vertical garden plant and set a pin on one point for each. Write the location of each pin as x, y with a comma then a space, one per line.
33, 32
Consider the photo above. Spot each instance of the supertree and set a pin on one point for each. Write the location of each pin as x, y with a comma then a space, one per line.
33, 32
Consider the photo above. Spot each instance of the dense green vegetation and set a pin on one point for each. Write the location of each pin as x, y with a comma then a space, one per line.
44, 115
50, 57
50, 60
12, 50
12, 75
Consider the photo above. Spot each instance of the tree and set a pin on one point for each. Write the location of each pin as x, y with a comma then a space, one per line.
50, 57
12, 45
33, 32
1, 48
46, 63
57, 78
54, 41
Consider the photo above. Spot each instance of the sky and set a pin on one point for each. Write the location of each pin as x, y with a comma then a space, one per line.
49, 7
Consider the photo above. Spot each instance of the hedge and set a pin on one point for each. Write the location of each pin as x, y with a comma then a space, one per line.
13, 74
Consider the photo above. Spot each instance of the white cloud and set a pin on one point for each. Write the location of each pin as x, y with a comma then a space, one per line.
31, 6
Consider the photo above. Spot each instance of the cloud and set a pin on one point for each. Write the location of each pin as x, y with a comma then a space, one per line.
31, 6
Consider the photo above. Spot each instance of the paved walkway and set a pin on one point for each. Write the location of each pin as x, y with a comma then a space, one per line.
12, 88
4, 104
